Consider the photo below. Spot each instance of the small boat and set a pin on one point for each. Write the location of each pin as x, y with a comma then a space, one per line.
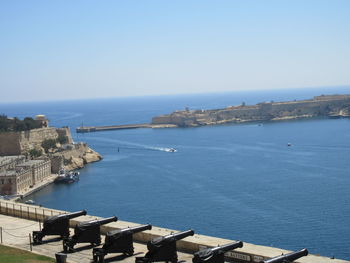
29, 202
67, 177
170, 150
289, 144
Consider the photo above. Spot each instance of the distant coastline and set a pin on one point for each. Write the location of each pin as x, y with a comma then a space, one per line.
333, 106
324, 105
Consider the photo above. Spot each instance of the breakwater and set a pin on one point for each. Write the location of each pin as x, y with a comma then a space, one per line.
83, 129
248, 253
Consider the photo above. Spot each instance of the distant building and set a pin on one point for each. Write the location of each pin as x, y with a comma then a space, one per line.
40, 169
17, 175
16, 181
42, 119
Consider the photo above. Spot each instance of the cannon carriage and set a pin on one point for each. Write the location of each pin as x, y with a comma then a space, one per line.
118, 241
163, 248
86, 232
56, 225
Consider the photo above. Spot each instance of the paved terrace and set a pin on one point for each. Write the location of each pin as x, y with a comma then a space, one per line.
19, 220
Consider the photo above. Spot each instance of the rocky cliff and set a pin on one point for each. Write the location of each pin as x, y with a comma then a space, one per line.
332, 106
75, 156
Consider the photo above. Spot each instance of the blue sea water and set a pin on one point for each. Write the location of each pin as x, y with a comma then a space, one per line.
232, 181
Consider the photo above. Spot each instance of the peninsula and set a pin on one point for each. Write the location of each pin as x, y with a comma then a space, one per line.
324, 105
333, 106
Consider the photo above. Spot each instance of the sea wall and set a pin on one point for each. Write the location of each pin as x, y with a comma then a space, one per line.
248, 253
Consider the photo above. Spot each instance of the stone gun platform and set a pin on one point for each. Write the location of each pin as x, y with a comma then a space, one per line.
17, 221
15, 233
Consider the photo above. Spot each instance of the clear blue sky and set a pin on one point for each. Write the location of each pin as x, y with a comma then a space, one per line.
85, 49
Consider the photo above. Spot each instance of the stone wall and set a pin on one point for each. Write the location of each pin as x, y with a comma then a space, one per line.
56, 163
10, 143
32, 139
65, 131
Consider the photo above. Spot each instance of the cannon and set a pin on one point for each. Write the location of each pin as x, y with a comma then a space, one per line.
163, 248
56, 225
287, 258
118, 241
216, 254
86, 232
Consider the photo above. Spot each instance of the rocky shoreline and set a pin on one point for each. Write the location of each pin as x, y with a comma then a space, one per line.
77, 156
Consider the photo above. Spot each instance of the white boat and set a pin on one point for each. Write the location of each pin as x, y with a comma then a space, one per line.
171, 150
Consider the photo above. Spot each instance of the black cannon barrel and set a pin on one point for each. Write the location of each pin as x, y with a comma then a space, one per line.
107, 220
227, 247
75, 214
102, 221
180, 235
215, 254
137, 229
287, 257
58, 218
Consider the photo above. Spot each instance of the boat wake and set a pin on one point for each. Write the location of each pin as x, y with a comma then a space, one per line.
135, 146
169, 150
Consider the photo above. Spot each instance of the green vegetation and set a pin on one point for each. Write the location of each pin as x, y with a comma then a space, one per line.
14, 255
62, 139
34, 153
15, 124
49, 144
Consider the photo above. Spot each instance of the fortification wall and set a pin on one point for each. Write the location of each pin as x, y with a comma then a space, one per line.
65, 131
10, 143
33, 138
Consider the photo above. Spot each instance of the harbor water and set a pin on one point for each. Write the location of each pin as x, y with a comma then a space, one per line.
240, 182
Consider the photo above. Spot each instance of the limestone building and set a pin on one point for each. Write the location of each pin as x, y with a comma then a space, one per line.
42, 118
17, 175
40, 169
15, 181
